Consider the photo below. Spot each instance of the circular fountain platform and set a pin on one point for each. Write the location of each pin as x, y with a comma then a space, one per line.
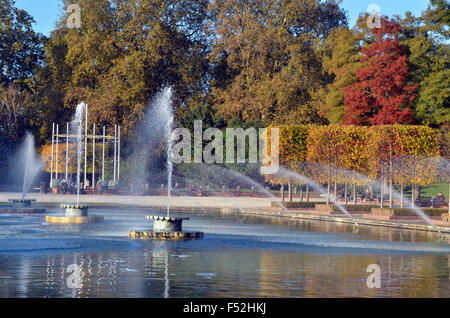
21, 206
75, 214
165, 235
74, 219
166, 228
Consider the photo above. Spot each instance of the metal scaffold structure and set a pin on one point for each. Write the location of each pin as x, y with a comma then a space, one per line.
86, 137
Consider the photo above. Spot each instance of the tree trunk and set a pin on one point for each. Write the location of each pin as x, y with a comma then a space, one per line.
354, 194
301, 193
382, 193
307, 192
390, 193
390, 178
412, 196
402, 205
290, 190
335, 184
282, 193
329, 183
345, 194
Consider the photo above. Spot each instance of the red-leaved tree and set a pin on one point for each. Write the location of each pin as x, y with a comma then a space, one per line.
382, 93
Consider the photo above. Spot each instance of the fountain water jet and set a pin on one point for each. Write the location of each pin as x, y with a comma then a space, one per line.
30, 163
76, 213
252, 182
396, 194
165, 227
323, 191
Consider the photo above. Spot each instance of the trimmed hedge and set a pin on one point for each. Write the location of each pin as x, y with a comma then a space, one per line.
406, 211
350, 208
295, 205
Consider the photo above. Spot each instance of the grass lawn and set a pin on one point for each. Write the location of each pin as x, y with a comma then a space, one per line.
435, 189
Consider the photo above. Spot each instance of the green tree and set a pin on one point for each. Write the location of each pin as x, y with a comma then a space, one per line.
340, 64
427, 39
20, 49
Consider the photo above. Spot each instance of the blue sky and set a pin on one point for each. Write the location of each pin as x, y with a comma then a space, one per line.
46, 12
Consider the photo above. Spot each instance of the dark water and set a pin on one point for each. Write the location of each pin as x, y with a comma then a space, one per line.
239, 257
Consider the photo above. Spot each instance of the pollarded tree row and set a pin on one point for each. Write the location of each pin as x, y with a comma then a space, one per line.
358, 155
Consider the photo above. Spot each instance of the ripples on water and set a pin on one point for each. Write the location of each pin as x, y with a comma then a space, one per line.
239, 257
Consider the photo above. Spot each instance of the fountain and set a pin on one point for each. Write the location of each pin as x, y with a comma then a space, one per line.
27, 160
318, 187
76, 213
395, 194
417, 211
165, 227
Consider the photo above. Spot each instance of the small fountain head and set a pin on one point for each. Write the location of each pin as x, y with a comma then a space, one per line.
19, 203
164, 224
74, 210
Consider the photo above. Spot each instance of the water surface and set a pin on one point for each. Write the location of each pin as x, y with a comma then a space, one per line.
238, 257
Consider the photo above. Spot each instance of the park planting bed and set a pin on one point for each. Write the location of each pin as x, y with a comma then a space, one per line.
294, 205
348, 207
406, 211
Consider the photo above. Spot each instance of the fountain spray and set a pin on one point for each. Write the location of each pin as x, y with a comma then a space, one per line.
77, 125
31, 164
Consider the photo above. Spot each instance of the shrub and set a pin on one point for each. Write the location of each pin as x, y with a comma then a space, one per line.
295, 205
349, 208
406, 212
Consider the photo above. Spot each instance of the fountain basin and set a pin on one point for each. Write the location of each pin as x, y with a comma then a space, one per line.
165, 235
74, 219
21, 203
75, 214
21, 206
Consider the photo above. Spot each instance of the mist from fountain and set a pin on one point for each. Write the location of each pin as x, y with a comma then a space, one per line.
395, 194
246, 179
257, 185
320, 189
214, 169
153, 134
29, 162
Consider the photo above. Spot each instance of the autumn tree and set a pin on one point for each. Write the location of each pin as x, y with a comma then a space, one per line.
323, 155
383, 92
292, 156
123, 54
353, 156
266, 57
403, 155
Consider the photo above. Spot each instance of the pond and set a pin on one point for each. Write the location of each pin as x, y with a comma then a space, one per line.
238, 257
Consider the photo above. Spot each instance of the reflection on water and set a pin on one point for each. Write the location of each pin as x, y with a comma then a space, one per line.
239, 257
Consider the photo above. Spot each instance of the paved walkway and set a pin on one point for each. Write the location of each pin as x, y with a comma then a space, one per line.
214, 202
